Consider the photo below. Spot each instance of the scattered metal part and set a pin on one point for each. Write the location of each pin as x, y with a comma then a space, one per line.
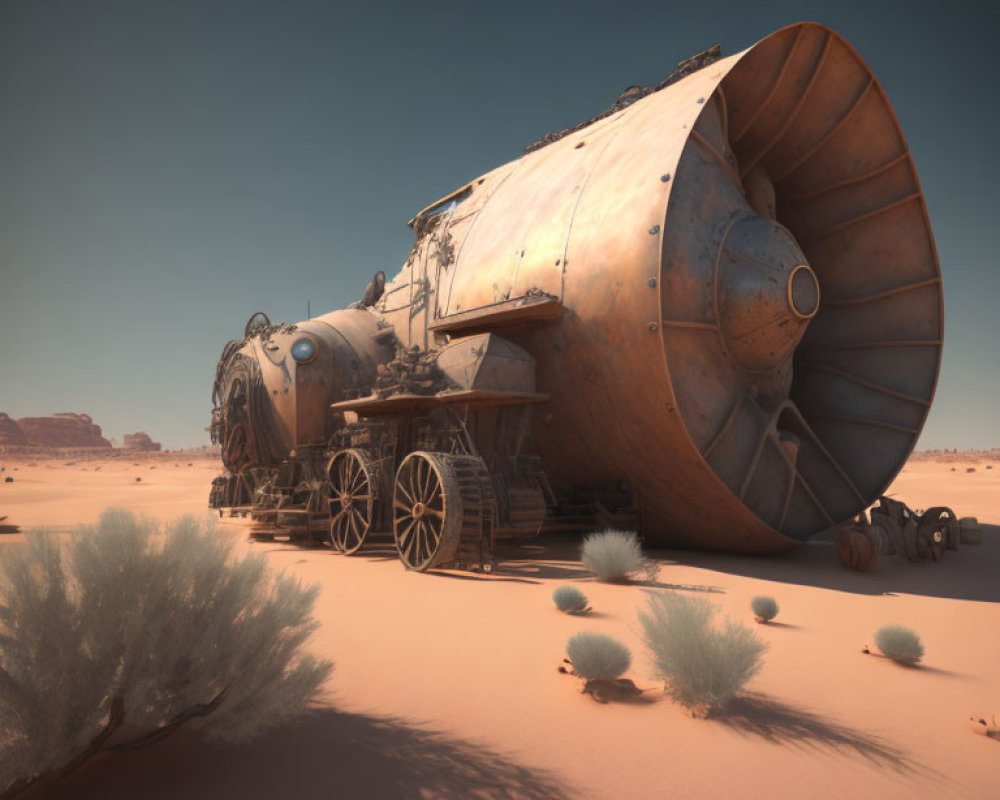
894, 529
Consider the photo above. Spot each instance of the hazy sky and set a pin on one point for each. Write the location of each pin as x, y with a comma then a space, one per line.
168, 168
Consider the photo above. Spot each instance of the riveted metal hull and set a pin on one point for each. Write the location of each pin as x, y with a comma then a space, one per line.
729, 289
622, 221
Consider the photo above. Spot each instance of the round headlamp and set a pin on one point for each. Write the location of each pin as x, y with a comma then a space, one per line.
304, 350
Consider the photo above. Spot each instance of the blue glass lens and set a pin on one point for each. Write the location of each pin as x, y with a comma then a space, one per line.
303, 350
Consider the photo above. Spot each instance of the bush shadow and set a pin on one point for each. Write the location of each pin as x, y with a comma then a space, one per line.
754, 714
585, 614
328, 754
924, 668
608, 692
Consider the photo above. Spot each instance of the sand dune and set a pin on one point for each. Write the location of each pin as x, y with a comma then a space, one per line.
446, 685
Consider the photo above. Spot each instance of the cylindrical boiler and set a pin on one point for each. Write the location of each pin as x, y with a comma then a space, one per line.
751, 312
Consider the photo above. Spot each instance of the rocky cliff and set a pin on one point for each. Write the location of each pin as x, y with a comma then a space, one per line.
10, 431
62, 430
140, 441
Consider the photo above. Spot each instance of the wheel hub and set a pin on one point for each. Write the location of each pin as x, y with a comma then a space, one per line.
418, 510
346, 500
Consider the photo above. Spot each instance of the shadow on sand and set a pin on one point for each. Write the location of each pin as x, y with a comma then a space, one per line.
329, 754
758, 715
966, 574
497, 576
786, 625
510, 562
924, 668
556, 557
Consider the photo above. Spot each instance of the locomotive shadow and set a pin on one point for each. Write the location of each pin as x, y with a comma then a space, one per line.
497, 576
328, 754
968, 573
555, 557
758, 715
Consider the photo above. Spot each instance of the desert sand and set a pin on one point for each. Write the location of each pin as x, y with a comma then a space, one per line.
446, 684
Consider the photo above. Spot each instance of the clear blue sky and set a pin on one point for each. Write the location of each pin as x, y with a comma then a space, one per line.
167, 168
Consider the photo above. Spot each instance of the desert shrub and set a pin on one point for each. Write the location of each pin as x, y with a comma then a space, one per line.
900, 644
598, 657
763, 607
121, 633
571, 600
702, 665
616, 556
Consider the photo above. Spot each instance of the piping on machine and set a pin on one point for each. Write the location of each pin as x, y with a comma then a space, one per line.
712, 314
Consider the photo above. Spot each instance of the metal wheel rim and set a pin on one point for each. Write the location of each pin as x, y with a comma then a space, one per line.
419, 511
351, 501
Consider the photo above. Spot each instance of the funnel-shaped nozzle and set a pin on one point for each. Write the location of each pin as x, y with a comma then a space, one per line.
766, 293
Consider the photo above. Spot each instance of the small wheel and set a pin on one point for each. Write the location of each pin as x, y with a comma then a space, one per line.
427, 511
352, 499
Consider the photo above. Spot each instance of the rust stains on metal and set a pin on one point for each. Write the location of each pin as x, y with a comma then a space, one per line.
768, 388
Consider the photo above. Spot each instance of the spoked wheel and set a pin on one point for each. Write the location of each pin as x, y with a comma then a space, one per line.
244, 487
427, 511
352, 499
234, 448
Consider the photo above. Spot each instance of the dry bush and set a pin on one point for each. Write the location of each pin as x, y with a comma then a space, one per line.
900, 644
119, 634
764, 608
598, 657
571, 600
702, 666
616, 556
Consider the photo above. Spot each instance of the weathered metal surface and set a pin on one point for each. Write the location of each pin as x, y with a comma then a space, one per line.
729, 289
892, 528
524, 311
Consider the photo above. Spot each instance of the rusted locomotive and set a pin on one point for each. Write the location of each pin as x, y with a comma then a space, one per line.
714, 312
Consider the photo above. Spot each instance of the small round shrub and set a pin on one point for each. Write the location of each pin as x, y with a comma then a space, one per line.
764, 608
900, 644
571, 600
598, 657
615, 556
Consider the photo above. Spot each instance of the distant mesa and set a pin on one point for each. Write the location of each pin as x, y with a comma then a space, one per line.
10, 431
66, 430
141, 441
57, 430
